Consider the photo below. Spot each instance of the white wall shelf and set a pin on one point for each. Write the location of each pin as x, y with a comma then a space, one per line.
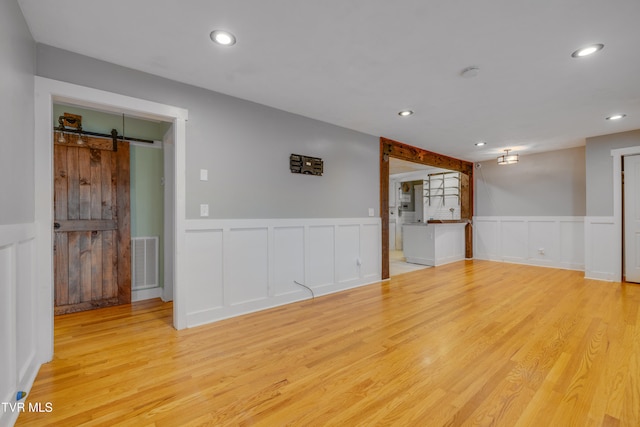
437, 185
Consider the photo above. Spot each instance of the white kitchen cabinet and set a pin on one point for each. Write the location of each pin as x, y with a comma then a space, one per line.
434, 244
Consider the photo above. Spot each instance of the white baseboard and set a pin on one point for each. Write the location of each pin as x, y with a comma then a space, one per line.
144, 294
422, 261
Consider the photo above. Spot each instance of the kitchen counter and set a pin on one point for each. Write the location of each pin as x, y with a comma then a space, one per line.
448, 221
434, 243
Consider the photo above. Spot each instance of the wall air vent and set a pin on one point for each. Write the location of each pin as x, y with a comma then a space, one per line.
305, 165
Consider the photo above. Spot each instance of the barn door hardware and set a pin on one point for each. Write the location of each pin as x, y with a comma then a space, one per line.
71, 124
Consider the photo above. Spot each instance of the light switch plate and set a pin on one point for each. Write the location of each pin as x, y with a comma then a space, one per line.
204, 210
204, 175
371, 212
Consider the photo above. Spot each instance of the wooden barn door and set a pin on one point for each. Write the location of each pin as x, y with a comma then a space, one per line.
92, 261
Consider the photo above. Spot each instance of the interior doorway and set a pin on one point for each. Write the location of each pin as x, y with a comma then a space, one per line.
418, 193
47, 93
390, 149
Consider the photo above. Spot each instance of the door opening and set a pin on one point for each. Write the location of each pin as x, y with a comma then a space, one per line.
420, 195
397, 150
47, 93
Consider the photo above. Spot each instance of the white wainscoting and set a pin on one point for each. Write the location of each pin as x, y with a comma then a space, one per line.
600, 248
544, 241
18, 314
235, 267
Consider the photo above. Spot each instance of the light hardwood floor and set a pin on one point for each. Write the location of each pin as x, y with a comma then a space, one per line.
470, 343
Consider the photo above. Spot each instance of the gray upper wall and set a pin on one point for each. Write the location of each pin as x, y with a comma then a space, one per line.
600, 169
544, 184
244, 146
17, 67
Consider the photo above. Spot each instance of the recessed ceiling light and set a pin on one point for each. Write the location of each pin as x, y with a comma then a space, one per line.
617, 117
405, 113
587, 50
480, 143
223, 38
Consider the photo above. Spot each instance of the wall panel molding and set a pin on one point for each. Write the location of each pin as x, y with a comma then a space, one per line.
543, 241
238, 266
18, 313
601, 257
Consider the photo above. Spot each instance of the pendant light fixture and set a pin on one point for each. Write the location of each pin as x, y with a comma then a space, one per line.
81, 139
74, 123
60, 129
507, 159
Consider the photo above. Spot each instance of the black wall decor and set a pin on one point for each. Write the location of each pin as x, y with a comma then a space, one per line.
305, 165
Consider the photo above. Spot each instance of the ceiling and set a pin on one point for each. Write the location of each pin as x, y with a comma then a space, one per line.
356, 63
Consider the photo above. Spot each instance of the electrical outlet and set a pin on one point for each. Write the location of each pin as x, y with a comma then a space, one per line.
204, 210
541, 251
204, 175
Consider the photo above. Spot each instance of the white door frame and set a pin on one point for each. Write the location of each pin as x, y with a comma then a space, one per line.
47, 92
168, 161
617, 155
631, 223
